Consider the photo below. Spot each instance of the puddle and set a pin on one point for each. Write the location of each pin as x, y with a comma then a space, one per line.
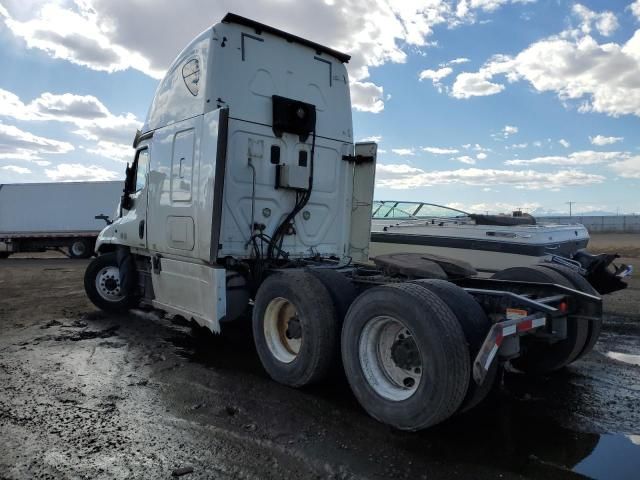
624, 357
530, 427
614, 457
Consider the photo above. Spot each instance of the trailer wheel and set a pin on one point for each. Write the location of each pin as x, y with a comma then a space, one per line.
581, 284
80, 248
295, 328
540, 357
102, 284
405, 356
475, 325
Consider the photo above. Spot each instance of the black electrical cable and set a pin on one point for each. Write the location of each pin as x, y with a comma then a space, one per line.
279, 234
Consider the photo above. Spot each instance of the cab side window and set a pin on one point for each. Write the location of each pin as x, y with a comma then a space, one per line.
142, 169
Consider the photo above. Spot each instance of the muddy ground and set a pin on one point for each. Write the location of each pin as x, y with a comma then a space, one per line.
84, 394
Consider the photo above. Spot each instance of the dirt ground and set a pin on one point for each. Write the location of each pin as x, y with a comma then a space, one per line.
626, 244
84, 394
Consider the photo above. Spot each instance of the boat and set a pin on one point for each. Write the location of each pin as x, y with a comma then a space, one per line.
488, 242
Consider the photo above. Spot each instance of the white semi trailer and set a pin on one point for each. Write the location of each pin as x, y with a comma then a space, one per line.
38, 216
247, 191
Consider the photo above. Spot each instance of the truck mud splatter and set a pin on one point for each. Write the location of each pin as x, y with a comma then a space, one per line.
93, 395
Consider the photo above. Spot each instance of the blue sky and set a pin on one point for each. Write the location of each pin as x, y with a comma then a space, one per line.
480, 104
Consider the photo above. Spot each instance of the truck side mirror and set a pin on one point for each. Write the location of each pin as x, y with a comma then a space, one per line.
125, 201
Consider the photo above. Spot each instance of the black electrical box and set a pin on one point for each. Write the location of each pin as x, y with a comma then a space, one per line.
293, 116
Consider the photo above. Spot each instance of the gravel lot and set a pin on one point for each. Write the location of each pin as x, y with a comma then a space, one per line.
87, 395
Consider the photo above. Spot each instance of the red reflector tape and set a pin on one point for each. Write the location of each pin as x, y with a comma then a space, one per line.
526, 325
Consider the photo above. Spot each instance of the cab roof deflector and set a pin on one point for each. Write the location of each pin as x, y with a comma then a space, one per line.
260, 27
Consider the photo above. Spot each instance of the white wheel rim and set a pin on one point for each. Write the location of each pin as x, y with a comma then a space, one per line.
78, 248
390, 359
283, 336
108, 284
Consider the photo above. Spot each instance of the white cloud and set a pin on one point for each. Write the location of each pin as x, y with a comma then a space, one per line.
68, 172
573, 65
469, 85
367, 97
107, 35
466, 10
518, 146
114, 151
564, 143
627, 168
509, 130
92, 119
481, 156
476, 147
401, 176
17, 144
16, 169
440, 151
605, 23
77, 37
466, 159
457, 61
601, 140
435, 75
403, 151
635, 9
585, 157
495, 207
372, 138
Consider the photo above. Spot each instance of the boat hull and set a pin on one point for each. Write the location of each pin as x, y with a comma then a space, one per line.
484, 255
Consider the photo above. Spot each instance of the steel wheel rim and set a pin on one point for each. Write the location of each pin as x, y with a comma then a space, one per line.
390, 358
78, 248
108, 284
284, 338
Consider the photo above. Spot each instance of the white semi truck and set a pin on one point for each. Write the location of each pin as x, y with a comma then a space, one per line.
62, 215
247, 192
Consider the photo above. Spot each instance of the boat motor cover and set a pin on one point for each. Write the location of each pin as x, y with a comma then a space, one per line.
422, 265
503, 220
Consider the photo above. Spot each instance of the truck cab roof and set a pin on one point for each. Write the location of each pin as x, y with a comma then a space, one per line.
241, 64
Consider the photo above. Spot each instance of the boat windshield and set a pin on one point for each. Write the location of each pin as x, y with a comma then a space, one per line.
394, 210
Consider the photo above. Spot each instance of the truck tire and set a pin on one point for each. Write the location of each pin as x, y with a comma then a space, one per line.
405, 356
80, 248
581, 284
295, 328
342, 291
475, 325
538, 356
4, 255
102, 284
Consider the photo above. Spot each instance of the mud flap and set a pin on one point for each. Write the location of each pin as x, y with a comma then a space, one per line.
604, 279
127, 269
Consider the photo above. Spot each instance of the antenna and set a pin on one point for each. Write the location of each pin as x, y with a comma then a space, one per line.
570, 207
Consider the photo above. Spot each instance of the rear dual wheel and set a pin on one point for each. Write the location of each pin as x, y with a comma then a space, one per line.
475, 326
295, 328
405, 356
